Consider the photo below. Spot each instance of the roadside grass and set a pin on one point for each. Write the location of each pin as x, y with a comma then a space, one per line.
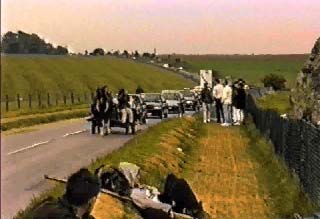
278, 102
30, 120
145, 151
232, 170
17, 114
281, 187
248, 67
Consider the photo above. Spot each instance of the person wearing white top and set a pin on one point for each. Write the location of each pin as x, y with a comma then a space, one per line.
217, 93
227, 104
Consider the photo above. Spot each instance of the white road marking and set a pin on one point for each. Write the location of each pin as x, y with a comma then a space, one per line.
29, 147
44, 142
74, 133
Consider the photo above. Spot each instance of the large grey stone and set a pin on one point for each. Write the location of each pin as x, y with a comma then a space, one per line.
306, 95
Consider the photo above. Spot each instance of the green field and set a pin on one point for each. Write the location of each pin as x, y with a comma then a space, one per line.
252, 68
60, 75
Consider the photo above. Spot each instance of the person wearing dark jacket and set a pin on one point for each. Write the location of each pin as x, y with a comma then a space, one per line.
235, 87
217, 93
106, 107
207, 99
96, 118
239, 102
124, 106
81, 191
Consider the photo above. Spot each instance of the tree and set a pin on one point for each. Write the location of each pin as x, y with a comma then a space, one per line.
146, 55
125, 53
277, 82
24, 43
98, 52
136, 54
62, 50
116, 53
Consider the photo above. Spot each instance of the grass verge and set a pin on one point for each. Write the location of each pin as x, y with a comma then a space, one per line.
232, 170
16, 114
285, 195
156, 160
25, 121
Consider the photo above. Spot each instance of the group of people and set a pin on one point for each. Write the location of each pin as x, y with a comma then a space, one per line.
83, 189
104, 103
229, 99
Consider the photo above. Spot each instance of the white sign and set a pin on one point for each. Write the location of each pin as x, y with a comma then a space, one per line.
206, 77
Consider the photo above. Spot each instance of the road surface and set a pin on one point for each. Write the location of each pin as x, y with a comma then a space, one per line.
57, 149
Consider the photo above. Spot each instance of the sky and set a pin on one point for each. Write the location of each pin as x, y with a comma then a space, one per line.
170, 26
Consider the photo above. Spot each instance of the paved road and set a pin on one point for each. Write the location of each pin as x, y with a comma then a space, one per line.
58, 149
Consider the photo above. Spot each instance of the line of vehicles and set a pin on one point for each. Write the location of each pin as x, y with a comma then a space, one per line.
146, 106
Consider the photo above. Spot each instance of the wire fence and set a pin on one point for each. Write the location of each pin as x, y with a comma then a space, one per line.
42, 100
296, 141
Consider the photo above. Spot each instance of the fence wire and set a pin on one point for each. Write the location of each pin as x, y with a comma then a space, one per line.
296, 141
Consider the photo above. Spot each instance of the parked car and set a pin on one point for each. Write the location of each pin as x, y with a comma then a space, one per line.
174, 101
190, 100
154, 105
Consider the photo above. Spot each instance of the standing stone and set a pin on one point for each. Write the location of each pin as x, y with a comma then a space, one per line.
306, 95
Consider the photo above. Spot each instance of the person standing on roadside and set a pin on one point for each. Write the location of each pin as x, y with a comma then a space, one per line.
124, 106
235, 112
241, 101
217, 93
207, 99
227, 103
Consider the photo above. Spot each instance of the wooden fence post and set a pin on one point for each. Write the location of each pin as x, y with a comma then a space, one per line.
39, 100
30, 101
65, 99
79, 99
85, 97
57, 101
48, 99
18, 101
7, 102
72, 98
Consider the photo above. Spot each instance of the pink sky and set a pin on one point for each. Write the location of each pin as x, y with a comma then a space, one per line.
180, 26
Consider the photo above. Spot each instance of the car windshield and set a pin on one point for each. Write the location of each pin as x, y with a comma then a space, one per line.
187, 94
171, 96
152, 97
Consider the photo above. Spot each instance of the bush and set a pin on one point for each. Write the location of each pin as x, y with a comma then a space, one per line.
277, 82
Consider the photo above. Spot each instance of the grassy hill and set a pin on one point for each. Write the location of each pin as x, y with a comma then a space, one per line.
59, 75
248, 67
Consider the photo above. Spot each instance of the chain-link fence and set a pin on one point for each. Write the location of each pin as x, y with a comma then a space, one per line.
296, 141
